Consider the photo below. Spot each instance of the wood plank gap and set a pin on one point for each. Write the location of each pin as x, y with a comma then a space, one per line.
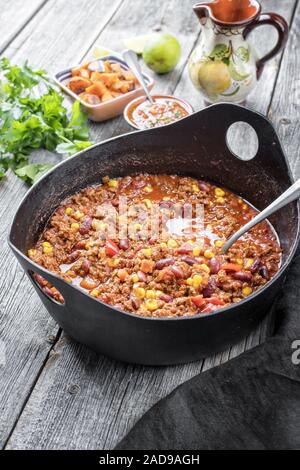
23, 26
281, 58
57, 338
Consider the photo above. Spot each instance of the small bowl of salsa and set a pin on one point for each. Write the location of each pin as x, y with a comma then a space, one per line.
141, 114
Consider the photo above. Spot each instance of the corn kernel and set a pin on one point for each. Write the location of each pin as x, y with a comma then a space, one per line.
195, 188
75, 227
137, 227
113, 262
47, 248
240, 201
69, 210
249, 263
197, 281
31, 253
113, 183
151, 294
78, 215
163, 245
139, 292
189, 281
148, 189
203, 267
151, 305
147, 252
94, 293
247, 291
244, 207
196, 251
172, 243
219, 192
135, 278
209, 254
240, 261
220, 200
148, 203
219, 243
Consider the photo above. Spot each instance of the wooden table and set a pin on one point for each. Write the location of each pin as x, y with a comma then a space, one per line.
54, 393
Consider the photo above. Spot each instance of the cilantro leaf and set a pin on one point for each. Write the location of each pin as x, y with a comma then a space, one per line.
31, 173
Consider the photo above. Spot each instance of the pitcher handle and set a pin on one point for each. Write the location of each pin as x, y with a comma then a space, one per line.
283, 30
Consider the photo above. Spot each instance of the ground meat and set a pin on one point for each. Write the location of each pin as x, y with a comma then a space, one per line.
150, 260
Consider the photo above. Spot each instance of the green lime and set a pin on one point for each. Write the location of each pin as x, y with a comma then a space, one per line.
137, 43
162, 52
99, 52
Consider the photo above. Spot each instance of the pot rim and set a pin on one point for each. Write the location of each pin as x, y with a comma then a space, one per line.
255, 294
231, 24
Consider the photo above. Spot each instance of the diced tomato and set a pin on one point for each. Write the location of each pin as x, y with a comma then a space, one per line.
231, 267
111, 248
201, 302
214, 301
198, 301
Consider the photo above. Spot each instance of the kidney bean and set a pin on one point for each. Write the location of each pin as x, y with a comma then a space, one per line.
124, 244
48, 291
85, 226
210, 289
142, 276
86, 266
255, 265
264, 272
40, 280
80, 245
203, 186
163, 263
214, 265
243, 276
153, 240
166, 298
178, 273
166, 204
184, 249
73, 256
136, 303
189, 260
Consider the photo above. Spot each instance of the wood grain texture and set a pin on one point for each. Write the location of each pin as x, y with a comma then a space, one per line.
14, 15
81, 400
25, 326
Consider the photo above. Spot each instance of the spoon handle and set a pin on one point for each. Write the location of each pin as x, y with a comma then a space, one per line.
288, 196
131, 59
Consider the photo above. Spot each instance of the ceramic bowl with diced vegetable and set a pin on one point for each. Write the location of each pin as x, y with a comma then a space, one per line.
104, 86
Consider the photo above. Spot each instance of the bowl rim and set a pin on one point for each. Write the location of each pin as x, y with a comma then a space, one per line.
142, 98
113, 57
254, 295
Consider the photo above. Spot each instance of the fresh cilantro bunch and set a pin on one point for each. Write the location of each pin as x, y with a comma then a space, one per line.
32, 116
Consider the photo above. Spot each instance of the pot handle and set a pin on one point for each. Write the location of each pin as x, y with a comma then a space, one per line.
272, 19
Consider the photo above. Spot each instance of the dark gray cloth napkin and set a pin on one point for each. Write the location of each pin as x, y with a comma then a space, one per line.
251, 402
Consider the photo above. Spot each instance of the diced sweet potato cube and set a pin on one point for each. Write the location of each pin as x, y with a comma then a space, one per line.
76, 71
97, 88
107, 96
84, 73
107, 66
129, 76
117, 69
147, 266
78, 84
89, 98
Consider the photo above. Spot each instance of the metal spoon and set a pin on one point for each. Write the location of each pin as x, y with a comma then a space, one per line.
288, 196
131, 59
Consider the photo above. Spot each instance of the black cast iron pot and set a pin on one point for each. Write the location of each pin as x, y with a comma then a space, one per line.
195, 146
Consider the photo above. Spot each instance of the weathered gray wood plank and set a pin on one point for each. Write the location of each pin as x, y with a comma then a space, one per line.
85, 401
25, 326
14, 16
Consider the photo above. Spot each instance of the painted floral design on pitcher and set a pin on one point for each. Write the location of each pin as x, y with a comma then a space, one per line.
225, 66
